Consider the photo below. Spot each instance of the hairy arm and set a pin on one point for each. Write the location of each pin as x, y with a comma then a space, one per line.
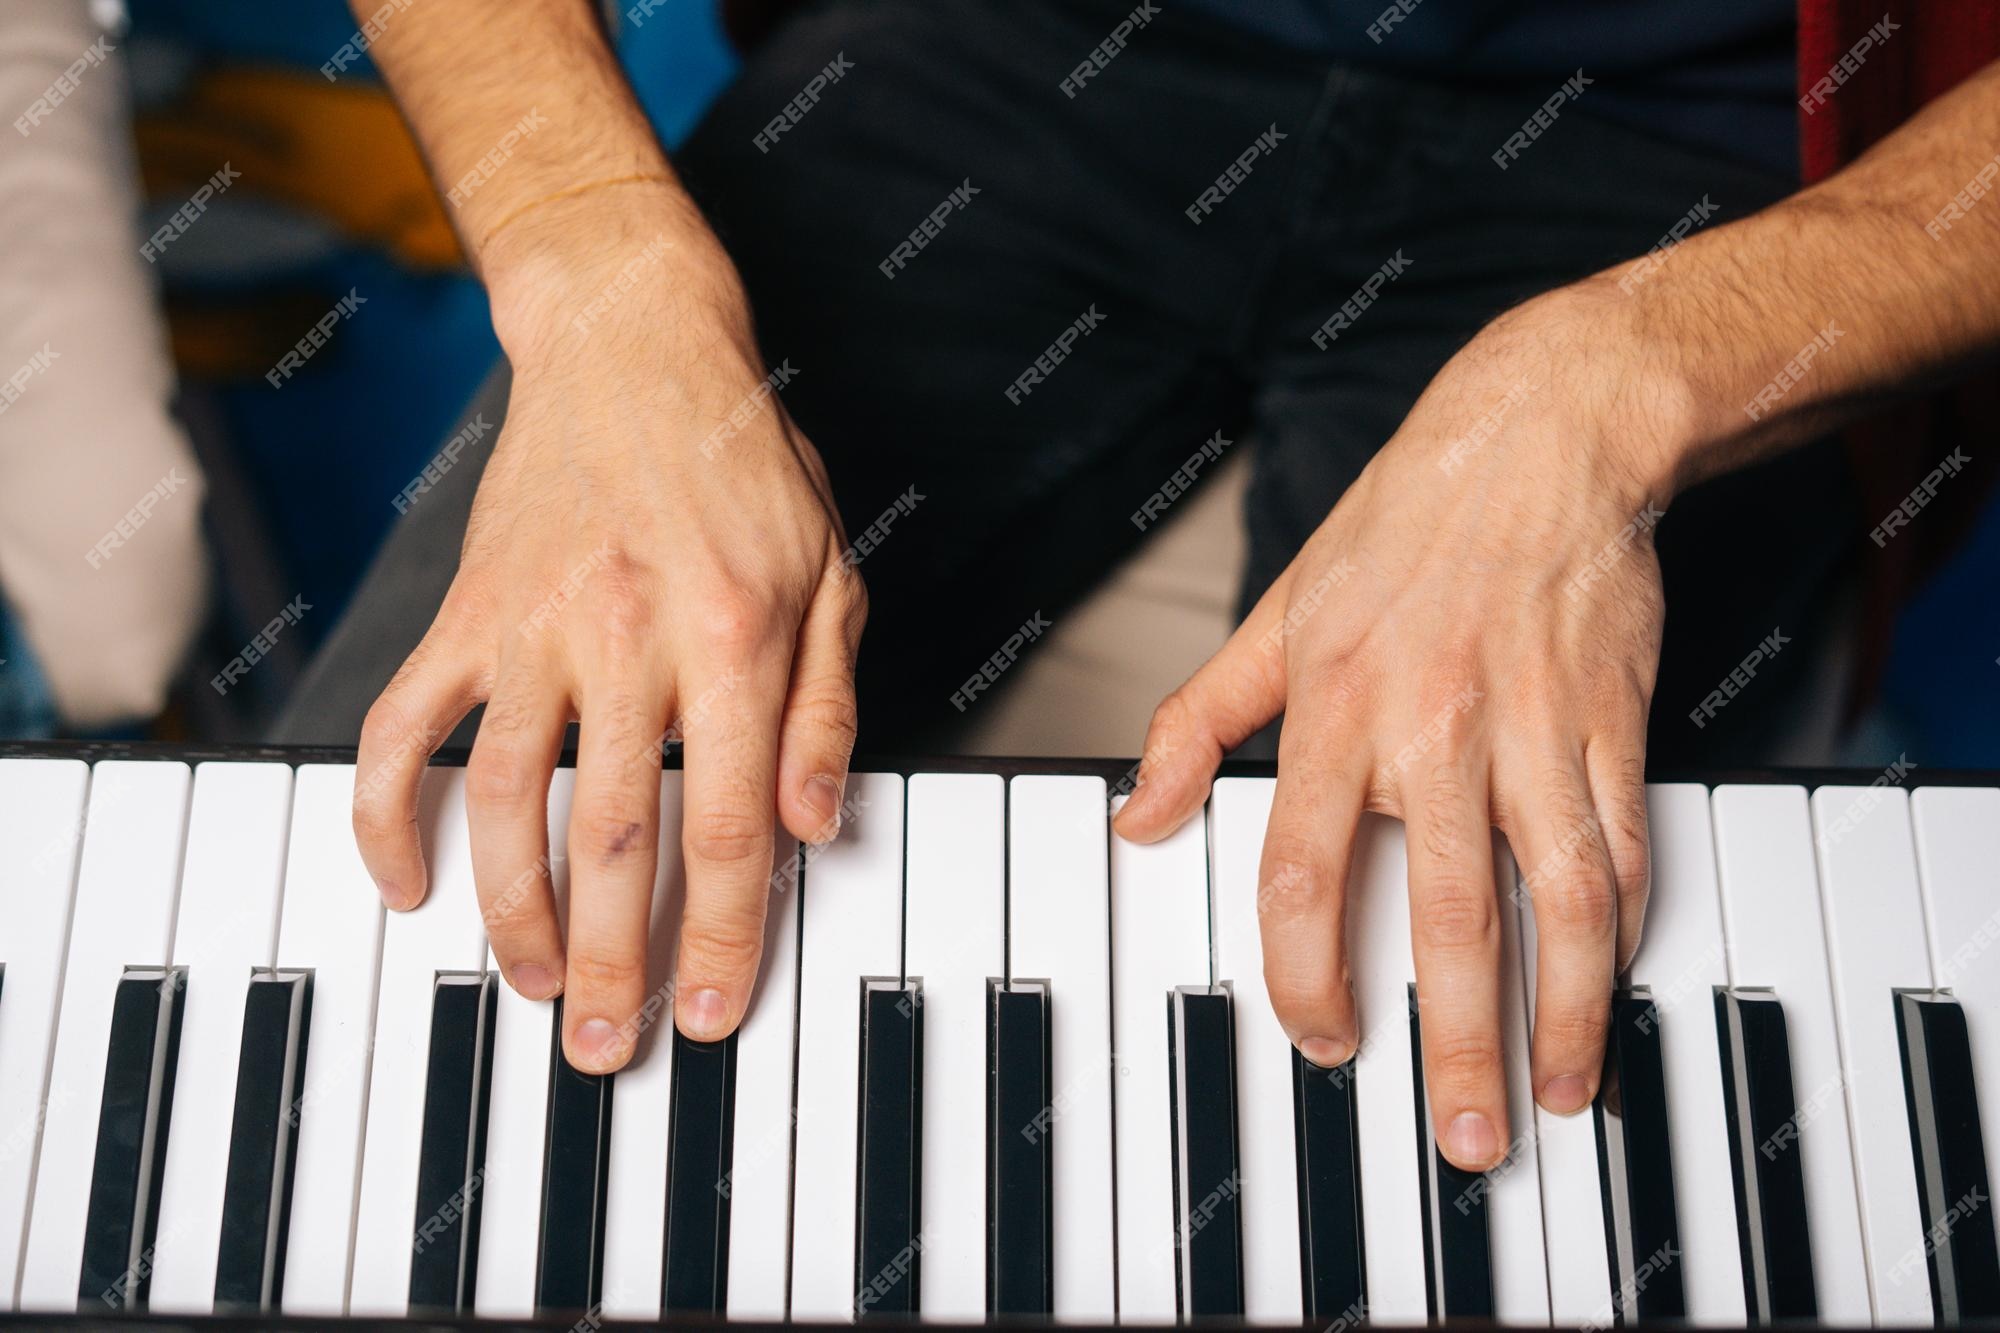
1528, 476
1892, 265
620, 568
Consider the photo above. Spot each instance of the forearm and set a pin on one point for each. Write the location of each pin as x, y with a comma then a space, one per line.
550, 167
1871, 283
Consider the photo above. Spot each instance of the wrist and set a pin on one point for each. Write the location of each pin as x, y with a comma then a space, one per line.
1623, 408
632, 251
1729, 349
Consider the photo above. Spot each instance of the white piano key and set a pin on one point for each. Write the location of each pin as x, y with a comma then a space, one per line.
1958, 848
510, 1211
1059, 929
1378, 951
853, 929
635, 1197
1771, 925
760, 1172
1514, 1190
511, 1197
1159, 940
125, 893
955, 885
1266, 1150
1876, 946
444, 934
226, 926
331, 922
1682, 960
41, 818
1572, 1198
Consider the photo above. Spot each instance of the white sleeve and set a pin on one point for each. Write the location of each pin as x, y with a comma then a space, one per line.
101, 554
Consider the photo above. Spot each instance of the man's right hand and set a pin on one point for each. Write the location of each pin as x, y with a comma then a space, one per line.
654, 551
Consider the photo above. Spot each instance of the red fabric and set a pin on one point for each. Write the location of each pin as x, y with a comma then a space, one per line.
1935, 46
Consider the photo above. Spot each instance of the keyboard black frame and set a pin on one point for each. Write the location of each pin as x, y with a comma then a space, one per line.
1007, 766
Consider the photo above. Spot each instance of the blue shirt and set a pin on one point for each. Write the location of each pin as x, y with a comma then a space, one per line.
1718, 75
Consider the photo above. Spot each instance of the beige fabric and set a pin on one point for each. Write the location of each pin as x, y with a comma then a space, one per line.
1089, 687
85, 381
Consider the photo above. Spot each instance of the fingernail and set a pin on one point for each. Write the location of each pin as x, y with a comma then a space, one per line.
1565, 1094
393, 897
596, 1045
1471, 1141
703, 1014
534, 981
822, 797
1326, 1052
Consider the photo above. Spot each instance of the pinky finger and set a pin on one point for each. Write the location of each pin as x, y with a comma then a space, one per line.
1616, 769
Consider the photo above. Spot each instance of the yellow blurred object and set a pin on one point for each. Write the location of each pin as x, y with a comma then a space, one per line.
336, 150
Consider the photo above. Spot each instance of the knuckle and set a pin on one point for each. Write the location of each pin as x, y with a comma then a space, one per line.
473, 600
1462, 1060
386, 726
1572, 1027
853, 594
1459, 917
1176, 714
1338, 687
1294, 878
500, 776
727, 835
1581, 902
513, 928
827, 712
622, 607
607, 971
734, 619
1632, 864
376, 817
729, 947
608, 830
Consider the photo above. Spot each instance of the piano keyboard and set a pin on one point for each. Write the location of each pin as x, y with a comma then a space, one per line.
999, 1062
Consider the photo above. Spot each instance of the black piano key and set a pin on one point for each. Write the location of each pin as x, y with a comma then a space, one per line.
451, 1161
569, 1274
1952, 1186
1208, 1245
132, 1126
1020, 1164
263, 1142
1330, 1257
1763, 1126
888, 1252
700, 1130
1458, 1256
1642, 1225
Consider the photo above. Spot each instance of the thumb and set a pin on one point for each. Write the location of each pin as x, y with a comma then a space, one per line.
1222, 705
